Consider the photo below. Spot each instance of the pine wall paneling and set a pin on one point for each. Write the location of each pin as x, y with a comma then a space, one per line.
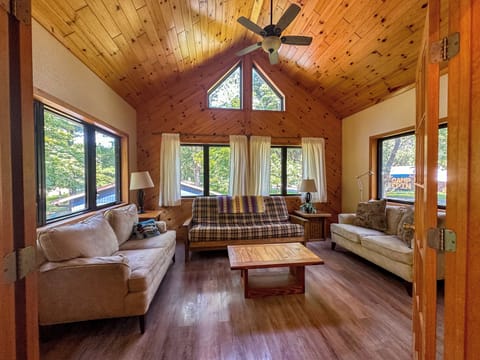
183, 109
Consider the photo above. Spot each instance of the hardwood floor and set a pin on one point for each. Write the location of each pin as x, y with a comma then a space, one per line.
351, 310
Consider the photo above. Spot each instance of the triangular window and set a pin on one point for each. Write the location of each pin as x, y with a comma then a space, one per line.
264, 95
227, 92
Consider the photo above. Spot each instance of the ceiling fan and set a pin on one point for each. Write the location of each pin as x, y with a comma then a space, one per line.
272, 39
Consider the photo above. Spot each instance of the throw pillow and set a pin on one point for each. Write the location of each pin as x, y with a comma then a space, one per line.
89, 238
406, 235
145, 229
121, 220
394, 215
372, 215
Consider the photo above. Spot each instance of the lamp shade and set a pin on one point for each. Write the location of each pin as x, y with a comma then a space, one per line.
140, 180
307, 185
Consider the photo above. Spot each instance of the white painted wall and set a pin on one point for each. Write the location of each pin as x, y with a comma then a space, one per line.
389, 115
60, 74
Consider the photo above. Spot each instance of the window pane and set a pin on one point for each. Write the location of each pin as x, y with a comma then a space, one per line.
64, 165
227, 94
106, 168
191, 170
276, 171
442, 166
264, 97
219, 164
294, 169
398, 168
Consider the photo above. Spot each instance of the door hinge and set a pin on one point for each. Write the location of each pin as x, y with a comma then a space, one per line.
442, 239
18, 264
445, 49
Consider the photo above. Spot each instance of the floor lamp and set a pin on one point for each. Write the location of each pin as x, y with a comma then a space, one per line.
360, 182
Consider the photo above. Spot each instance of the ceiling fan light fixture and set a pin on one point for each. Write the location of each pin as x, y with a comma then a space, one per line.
271, 44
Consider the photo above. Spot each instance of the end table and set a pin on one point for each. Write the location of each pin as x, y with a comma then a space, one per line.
317, 227
150, 214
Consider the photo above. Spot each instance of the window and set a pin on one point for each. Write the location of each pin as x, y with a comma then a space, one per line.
78, 165
205, 170
264, 94
227, 93
396, 167
286, 170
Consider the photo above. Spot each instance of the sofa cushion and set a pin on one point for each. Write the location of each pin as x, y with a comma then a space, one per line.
121, 220
144, 264
353, 232
89, 238
394, 215
237, 232
166, 239
406, 235
205, 211
372, 215
389, 246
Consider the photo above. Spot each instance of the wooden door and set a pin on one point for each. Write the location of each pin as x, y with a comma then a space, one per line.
18, 300
426, 131
462, 290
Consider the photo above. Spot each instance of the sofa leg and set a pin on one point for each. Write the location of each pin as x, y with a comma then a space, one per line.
141, 322
332, 245
173, 258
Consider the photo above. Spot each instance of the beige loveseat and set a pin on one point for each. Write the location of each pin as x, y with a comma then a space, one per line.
94, 269
389, 248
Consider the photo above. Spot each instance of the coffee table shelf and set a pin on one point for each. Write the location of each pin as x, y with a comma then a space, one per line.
295, 256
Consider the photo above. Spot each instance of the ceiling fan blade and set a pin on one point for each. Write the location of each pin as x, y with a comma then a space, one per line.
249, 49
287, 17
296, 40
250, 25
273, 57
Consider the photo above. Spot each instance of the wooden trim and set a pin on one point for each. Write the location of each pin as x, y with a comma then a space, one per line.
71, 110
7, 291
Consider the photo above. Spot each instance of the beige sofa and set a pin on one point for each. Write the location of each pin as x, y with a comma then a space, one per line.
383, 248
94, 269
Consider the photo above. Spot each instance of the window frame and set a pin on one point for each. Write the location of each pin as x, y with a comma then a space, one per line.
206, 167
220, 81
90, 162
271, 85
283, 173
376, 184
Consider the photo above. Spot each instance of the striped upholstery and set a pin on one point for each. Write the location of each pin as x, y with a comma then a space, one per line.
210, 225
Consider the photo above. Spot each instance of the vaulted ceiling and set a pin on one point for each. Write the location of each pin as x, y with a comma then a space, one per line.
362, 50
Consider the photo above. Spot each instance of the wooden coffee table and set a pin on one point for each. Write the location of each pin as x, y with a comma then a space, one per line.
292, 255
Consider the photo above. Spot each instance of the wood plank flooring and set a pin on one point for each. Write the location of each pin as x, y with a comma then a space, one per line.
351, 310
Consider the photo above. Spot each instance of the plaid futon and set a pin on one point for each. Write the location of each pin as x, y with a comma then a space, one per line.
208, 224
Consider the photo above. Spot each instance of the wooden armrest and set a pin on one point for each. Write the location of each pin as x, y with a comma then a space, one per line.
187, 222
298, 220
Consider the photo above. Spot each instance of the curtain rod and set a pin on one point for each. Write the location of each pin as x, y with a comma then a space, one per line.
226, 136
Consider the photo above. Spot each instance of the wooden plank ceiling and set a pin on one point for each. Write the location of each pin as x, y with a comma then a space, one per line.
363, 50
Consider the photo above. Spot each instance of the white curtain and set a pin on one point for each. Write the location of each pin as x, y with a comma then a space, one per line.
313, 155
259, 165
170, 193
238, 165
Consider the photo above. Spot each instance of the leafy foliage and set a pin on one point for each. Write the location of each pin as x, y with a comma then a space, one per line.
227, 94
264, 96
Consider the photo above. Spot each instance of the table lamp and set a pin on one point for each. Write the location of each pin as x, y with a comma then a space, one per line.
307, 186
138, 181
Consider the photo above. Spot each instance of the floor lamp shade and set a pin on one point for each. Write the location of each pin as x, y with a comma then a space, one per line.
138, 181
